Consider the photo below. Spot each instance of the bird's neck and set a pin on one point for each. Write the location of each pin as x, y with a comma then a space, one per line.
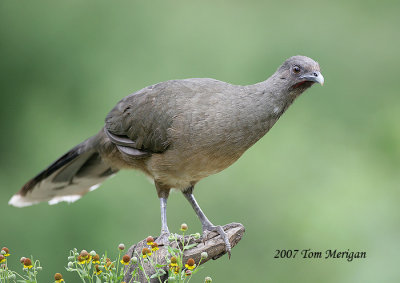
262, 105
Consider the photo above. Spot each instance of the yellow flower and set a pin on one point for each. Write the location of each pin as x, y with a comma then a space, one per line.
96, 259
108, 265
58, 278
190, 267
6, 250
149, 240
98, 271
190, 264
126, 259
85, 257
28, 263
154, 247
2, 258
81, 260
174, 262
146, 252
175, 269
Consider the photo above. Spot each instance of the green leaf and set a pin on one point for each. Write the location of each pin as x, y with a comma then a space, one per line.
190, 246
171, 250
161, 271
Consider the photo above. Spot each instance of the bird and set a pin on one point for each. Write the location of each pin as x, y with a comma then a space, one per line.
176, 132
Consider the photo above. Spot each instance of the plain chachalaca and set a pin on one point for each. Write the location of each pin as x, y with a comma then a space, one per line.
177, 132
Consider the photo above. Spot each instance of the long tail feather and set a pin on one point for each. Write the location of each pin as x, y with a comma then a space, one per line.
71, 176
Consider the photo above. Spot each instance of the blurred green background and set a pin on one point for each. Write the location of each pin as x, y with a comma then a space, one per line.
325, 177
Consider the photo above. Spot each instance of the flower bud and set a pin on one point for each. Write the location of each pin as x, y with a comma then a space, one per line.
184, 227
70, 264
204, 255
121, 247
92, 253
207, 280
134, 260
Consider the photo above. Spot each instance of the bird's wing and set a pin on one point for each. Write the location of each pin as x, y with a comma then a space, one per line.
142, 123
138, 125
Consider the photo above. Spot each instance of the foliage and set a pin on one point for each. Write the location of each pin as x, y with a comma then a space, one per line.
92, 268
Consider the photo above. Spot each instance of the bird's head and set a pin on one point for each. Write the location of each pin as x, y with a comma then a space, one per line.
298, 73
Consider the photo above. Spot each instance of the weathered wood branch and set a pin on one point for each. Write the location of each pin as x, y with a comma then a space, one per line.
214, 246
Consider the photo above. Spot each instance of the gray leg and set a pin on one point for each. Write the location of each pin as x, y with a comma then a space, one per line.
163, 238
207, 225
163, 206
163, 193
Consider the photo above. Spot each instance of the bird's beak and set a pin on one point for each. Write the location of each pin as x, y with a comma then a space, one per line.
314, 76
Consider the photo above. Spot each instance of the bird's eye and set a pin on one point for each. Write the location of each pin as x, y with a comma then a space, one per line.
296, 69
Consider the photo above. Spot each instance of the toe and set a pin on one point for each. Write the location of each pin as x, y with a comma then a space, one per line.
221, 232
163, 240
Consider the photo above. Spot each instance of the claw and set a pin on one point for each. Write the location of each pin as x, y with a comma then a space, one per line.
221, 232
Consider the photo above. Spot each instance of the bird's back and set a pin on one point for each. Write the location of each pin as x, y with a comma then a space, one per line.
152, 115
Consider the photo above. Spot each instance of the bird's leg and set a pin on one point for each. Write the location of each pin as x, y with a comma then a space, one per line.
163, 238
206, 224
163, 196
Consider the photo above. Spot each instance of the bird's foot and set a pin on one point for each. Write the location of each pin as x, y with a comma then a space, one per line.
220, 230
163, 239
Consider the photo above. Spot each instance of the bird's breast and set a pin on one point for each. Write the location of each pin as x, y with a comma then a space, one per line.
181, 169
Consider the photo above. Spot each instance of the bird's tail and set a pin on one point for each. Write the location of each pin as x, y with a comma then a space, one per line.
71, 176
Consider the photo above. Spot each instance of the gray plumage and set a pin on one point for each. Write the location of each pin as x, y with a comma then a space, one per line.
177, 132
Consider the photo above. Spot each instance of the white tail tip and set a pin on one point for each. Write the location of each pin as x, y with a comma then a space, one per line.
20, 201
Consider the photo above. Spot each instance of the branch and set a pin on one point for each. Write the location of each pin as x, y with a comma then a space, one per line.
214, 246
